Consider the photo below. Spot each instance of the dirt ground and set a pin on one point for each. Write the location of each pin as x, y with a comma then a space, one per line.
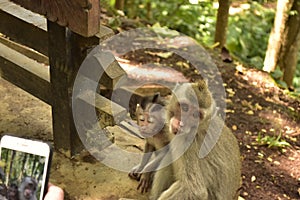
256, 107
82, 177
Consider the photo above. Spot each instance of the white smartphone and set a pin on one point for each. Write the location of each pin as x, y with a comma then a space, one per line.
24, 168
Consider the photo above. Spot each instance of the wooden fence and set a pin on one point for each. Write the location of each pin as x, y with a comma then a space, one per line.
37, 54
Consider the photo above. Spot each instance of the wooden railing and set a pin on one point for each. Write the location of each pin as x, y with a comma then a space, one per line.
42, 45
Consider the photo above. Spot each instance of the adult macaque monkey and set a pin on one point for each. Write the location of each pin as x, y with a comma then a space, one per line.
217, 175
151, 120
27, 189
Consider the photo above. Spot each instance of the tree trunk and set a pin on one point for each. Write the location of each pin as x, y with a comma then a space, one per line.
130, 8
222, 22
119, 5
149, 10
291, 45
277, 34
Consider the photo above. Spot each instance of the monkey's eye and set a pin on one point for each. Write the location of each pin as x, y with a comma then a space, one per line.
150, 119
198, 114
142, 118
184, 107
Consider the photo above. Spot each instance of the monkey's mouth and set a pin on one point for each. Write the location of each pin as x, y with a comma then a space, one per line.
177, 126
184, 128
149, 132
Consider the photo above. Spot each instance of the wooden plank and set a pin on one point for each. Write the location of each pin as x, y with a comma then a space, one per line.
26, 73
131, 128
104, 33
25, 50
104, 105
24, 14
30, 28
27, 30
81, 16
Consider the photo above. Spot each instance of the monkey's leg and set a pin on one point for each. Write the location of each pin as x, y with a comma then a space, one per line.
154, 164
163, 179
171, 192
179, 191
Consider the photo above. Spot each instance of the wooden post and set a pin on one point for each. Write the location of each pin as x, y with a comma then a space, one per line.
64, 132
66, 53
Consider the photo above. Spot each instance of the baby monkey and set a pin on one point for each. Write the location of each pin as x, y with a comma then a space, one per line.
151, 120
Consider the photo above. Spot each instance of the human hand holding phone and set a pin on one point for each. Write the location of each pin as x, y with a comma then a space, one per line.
54, 192
25, 165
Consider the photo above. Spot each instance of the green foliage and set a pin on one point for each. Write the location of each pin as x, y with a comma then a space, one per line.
277, 75
197, 21
248, 34
248, 30
272, 141
247, 39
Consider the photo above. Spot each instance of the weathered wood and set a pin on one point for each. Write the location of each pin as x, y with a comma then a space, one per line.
64, 131
104, 33
24, 14
104, 107
131, 129
110, 69
25, 50
81, 16
66, 53
23, 26
30, 29
26, 73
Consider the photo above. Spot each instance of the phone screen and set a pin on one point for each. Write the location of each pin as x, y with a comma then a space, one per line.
22, 173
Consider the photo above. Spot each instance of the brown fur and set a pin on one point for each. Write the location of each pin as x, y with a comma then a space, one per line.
214, 177
151, 120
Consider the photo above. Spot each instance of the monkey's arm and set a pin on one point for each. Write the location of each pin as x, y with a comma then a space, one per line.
136, 171
154, 164
148, 171
148, 151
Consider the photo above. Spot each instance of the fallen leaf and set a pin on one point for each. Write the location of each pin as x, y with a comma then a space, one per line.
258, 107
250, 112
234, 127
276, 163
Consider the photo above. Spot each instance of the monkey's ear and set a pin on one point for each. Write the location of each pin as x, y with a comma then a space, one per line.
144, 102
156, 98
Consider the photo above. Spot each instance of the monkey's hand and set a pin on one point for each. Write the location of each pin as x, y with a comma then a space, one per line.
135, 173
145, 182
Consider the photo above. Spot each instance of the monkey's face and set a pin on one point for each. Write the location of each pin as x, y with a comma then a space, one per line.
151, 120
12, 192
189, 107
3, 189
185, 117
29, 188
